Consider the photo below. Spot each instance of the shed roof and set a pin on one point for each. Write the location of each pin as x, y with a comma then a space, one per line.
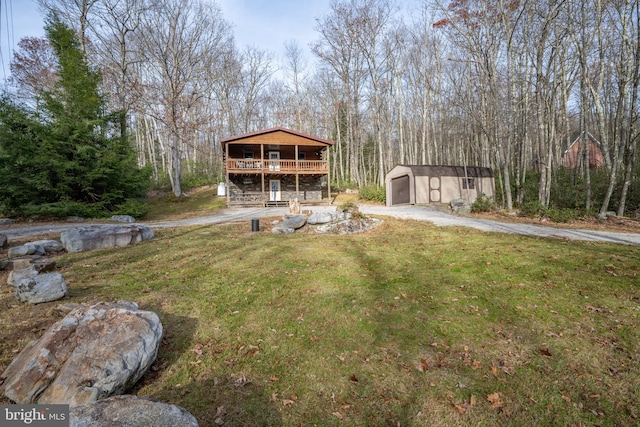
238, 138
435, 170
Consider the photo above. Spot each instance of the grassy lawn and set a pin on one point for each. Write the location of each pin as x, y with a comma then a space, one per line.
408, 324
201, 201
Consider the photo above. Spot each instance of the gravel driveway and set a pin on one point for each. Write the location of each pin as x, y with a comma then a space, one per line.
420, 213
439, 218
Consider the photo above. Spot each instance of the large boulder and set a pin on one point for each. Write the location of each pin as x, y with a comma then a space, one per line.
40, 288
48, 247
44, 265
38, 247
290, 224
101, 237
12, 264
15, 276
123, 218
22, 250
121, 411
460, 206
92, 353
321, 218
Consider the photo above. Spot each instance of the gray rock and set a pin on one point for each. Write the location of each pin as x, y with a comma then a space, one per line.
39, 247
7, 221
23, 250
44, 265
92, 353
123, 218
320, 218
74, 219
460, 206
4, 242
127, 410
349, 226
47, 247
40, 288
282, 230
100, 237
16, 276
295, 222
15, 263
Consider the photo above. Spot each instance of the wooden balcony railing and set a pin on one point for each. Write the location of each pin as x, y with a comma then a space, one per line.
276, 166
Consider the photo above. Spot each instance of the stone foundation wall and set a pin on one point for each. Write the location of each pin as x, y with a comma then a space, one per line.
244, 189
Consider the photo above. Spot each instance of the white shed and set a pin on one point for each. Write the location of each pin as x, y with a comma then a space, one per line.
424, 184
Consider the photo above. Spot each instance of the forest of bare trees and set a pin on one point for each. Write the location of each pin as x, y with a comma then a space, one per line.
507, 84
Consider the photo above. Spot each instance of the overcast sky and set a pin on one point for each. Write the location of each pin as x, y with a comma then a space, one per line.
266, 24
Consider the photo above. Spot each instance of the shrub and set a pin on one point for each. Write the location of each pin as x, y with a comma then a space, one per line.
373, 193
482, 204
63, 209
533, 209
135, 207
561, 215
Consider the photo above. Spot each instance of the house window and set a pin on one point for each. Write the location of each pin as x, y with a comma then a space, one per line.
247, 154
468, 183
302, 156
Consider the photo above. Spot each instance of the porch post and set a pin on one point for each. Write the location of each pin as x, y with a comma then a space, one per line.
262, 173
328, 174
226, 170
297, 174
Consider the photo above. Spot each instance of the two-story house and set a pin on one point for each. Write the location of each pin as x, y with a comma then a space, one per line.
273, 166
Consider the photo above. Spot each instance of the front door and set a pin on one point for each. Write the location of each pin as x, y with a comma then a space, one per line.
274, 190
274, 165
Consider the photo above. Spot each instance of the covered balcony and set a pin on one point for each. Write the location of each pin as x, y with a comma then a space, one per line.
275, 166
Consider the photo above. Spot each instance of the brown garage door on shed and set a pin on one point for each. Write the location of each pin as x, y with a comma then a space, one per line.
400, 190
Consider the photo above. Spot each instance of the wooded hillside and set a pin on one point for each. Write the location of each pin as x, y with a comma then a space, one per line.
507, 84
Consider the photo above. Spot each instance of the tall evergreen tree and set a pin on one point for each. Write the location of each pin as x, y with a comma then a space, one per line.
70, 151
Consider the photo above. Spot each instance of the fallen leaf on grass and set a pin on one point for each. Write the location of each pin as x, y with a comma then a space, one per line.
252, 351
338, 414
495, 400
424, 365
273, 378
465, 406
287, 402
545, 352
461, 409
353, 378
